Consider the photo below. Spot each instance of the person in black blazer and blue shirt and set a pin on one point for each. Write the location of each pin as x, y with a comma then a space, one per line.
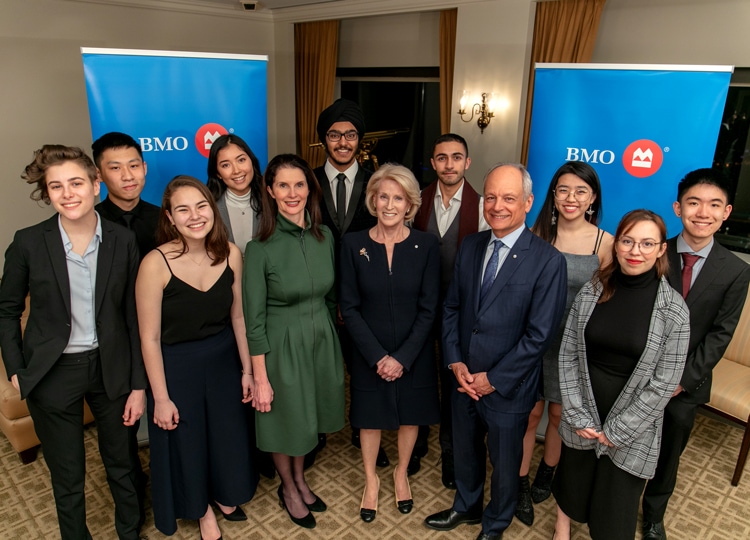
621, 357
503, 307
715, 295
81, 338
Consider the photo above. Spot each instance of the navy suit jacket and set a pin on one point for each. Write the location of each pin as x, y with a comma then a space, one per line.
35, 264
507, 336
715, 302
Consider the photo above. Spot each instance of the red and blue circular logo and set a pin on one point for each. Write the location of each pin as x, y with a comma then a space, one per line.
206, 135
642, 158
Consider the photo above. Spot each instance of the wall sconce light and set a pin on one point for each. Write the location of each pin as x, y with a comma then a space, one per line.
484, 110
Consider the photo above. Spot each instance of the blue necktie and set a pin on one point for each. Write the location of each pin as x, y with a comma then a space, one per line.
491, 270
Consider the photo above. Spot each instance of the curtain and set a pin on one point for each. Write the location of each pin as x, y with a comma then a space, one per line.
315, 54
448, 20
564, 31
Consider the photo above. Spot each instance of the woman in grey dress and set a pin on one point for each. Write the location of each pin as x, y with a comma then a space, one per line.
569, 221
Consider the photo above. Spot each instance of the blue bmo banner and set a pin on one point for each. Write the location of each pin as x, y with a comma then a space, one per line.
176, 104
642, 128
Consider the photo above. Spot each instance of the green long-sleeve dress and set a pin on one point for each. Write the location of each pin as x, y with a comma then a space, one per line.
289, 300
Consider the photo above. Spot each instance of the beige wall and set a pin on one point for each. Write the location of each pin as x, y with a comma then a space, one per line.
493, 48
43, 94
675, 32
404, 40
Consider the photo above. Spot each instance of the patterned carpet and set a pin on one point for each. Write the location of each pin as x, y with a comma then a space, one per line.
705, 506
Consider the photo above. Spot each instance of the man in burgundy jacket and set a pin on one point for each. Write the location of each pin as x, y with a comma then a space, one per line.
451, 209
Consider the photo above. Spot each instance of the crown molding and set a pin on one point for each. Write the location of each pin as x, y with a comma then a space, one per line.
186, 6
345, 9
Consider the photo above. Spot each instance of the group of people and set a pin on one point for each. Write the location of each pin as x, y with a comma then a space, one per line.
229, 315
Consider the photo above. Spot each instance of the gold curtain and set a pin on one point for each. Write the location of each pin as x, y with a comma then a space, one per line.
448, 20
564, 31
316, 47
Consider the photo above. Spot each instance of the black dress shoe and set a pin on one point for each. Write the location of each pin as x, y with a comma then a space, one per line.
484, 536
654, 531
415, 463
450, 519
524, 508
308, 522
449, 475
235, 515
382, 459
317, 506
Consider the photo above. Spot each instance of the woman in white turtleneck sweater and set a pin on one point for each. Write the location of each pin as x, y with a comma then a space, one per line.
234, 178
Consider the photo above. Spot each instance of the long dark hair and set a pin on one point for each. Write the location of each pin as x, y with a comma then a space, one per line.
217, 240
217, 185
543, 226
271, 209
628, 221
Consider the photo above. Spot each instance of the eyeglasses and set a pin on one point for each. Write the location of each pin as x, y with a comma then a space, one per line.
580, 194
646, 246
335, 136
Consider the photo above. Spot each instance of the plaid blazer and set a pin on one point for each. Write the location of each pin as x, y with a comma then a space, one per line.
634, 423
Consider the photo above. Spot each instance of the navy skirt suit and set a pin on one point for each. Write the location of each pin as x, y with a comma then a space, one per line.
391, 311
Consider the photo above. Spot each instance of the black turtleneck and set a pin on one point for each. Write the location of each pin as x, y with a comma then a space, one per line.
616, 335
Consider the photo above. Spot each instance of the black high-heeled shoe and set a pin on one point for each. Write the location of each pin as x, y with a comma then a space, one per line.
318, 505
405, 505
235, 515
368, 514
308, 522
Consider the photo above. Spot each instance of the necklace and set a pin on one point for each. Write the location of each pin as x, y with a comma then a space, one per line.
205, 256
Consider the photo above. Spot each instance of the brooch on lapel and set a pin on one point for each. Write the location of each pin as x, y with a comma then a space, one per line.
364, 253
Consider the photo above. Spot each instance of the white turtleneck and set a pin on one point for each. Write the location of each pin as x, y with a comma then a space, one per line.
241, 218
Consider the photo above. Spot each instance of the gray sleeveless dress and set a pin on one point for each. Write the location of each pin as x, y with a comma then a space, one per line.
580, 270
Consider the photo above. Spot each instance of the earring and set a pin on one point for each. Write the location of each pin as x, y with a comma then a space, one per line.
590, 212
553, 221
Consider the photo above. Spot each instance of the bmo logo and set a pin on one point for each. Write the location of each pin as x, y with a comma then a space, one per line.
206, 135
642, 158
166, 144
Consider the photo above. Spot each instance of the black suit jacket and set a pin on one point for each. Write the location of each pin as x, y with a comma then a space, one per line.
715, 301
358, 217
35, 264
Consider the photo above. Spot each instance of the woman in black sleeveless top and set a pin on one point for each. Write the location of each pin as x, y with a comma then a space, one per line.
192, 330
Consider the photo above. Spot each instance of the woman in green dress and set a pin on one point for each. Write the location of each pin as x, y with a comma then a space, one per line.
289, 300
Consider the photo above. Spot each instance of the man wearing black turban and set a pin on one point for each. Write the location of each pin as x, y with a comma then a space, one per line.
344, 183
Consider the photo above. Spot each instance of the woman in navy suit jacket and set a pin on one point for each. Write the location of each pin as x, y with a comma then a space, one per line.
390, 277
622, 356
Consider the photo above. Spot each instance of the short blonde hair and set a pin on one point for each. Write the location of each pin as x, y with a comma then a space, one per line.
404, 178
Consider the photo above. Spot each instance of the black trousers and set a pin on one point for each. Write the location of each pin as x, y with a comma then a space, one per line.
472, 422
679, 418
56, 406
595, 491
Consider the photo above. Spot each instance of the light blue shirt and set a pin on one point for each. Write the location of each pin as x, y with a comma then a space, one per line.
683, 247
509, 240
82, 281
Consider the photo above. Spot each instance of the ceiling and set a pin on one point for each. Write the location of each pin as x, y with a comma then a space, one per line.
261, 4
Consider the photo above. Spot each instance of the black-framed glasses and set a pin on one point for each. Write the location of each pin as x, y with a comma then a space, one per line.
335, 136
580, 194
646, 246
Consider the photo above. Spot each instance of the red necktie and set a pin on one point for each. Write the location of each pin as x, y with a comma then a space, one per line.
688, 261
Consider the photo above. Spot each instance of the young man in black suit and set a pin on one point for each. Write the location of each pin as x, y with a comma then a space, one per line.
119, 164
81, 338
344, 183
714, 283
